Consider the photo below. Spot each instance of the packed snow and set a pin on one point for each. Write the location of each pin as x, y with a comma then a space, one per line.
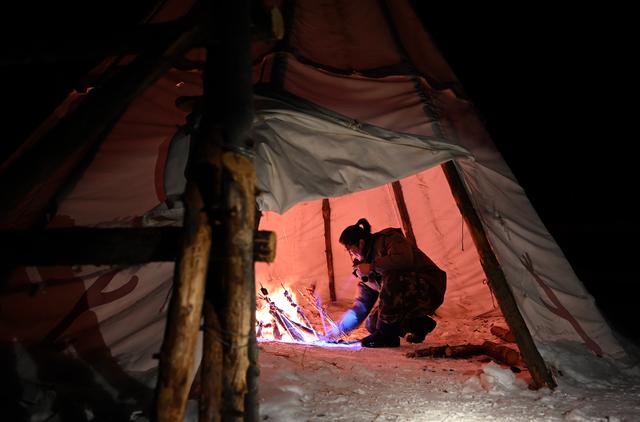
345, 382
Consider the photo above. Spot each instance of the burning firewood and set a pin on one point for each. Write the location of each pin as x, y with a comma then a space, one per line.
276, 331
288, 326
281, 321
316, 302
299, 310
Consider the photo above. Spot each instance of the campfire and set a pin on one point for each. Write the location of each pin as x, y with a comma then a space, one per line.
281, 316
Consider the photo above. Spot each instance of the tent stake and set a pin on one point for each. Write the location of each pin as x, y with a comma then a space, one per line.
326, 216
497, 281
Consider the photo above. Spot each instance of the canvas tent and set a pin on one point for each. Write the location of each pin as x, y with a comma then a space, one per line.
353, 98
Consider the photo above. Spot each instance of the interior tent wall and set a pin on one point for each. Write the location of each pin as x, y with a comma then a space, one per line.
438, 226
126, 178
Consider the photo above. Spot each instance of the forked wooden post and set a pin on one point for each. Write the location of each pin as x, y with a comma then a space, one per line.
228, 113
404, 213
497, 281
326, 216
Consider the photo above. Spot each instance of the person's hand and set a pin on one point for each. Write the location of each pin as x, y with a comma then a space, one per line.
363, 269
331, 334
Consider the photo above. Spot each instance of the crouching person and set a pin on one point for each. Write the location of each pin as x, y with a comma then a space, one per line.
404, 282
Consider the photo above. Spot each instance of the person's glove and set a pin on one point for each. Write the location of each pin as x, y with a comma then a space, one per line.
347, 323
332, 334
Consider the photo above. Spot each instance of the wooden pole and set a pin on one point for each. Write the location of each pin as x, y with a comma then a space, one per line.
497, 281
212, 363
109, 246
240, 306
228, 114
326, 216
251, 402
404, 213
185, 310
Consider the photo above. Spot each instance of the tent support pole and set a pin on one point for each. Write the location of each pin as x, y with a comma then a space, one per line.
228, 115
251, 402
183, 319
497, 281
239, 286
326, 216
404, 213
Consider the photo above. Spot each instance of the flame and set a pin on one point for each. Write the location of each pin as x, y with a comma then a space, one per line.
271, 325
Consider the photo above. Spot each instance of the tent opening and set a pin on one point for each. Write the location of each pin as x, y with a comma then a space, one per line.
311, 282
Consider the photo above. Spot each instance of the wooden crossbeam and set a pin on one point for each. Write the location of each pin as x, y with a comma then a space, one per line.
105, 246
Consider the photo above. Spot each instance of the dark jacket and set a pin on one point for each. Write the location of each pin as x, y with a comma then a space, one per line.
409, 283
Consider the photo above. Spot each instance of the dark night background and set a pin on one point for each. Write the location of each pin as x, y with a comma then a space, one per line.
552, 85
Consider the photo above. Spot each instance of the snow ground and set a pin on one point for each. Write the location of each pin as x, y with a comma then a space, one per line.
301, 382
310, 383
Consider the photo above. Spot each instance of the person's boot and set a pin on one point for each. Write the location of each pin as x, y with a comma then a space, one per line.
419, 328
386, 335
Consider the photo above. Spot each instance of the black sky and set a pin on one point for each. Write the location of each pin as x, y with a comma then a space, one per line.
555, 89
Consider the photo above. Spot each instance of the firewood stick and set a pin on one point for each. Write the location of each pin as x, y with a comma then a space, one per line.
286, 323
446, 351
276, 331
495, 351
298, 309
501, 353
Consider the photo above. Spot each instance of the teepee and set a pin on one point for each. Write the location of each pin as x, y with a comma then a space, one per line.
332, 112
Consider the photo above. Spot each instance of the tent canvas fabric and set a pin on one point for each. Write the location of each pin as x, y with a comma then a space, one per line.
361, 99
